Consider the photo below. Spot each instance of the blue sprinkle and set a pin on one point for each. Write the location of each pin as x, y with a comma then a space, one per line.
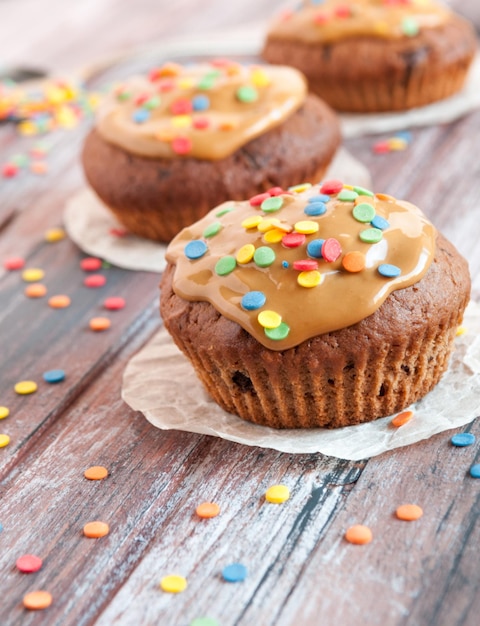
315, 208
461, 440
380, 222
234, 573
389, 271
195, 249
200, 102
321, 197
54, 376
475, 471
285, 264
140, 115
314, 248
406, 135
1, 527
253, 300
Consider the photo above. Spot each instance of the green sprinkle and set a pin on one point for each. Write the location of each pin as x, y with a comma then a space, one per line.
225, 265
247, 93
152, 103
270, 205
410, 27
371, 235
21, 160
123, 96
264, 256
206, 82
224, 211
212, 229
204, 621
363, 212
347, 195
364, 192
278, 333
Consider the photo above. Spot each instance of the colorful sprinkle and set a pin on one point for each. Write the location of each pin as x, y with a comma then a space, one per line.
371, 235
410, 27
409, 512
475, 471
293, 240
363, 212
315, 208
37, 600
252, 222
314, 248
204, 621
247, 94
114, 303
359, 535
195, 249
279, 333
173, 583
207, 510
347, 195
4, 412
32, 275
200, 102
14, 263
309, 279
94, 281
90, 264
462, 440
212, 229
380, 222
25, 387
362, 191
35, 290
253, 300
52, 235
277, 494
96, 472
234, 573
264, 256
272, 204
305, 265
331, 250
401, 419
227, 209
54, 376
300, 188
354, 261
4, 441
306, 227
388, 270
273, 236
99, 324
245, 254
269, 319
140, 116
182, 145
225, 265
259, 198
59, 302
29, 563
95, 530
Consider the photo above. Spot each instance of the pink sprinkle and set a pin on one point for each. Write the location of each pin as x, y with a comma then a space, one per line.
182, 145
114, 303
276, 191
381, 147
9, 170
95, 280
331, 186
14, 263
331, 250
90, 264
258, 199
29, 563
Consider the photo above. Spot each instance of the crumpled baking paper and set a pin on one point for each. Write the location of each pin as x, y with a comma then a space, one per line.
89, 223
160, 382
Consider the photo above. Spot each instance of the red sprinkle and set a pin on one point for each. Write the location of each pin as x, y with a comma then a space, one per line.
114, 303
258, 199
293, 240
201, 122
381, 147
9, 170
182, 145
29, 563
14, 263
343, 11
90, 264
141, 98
119, 232
331, 186
167, 84
276, 191
321, 18
95, 280
305, 265
182, 106
331, 250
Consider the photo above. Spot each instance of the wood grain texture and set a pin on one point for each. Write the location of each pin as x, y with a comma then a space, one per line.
301, 571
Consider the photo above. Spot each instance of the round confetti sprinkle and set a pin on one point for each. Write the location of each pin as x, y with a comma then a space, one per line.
212, 229
25, 387
247, 93
371, 235
331, 249
29, 563
359, 534
96, 472
409, 512
315, 208
195, 249
401, 419
59, 302
347, 195
410, 27
4, 441
114, 303
363, 212
182, 145
300, 188
139, 116
14, 263
4, 412
252, 222
234, 573
204, 621
306, 227
37, 600
32, 275
279, 333
462, 440
224, 211
173, 583
95, 530
269, 319
225, 265
94, 281
91, 264
35, 290
475, 471
259, 198
314, 248
363, 192
272, 204
277, 494
253, 300
52, 235
207, 510
268, 224
200, 102
354, 261
99, 323
309, 279
54, 376
305, 265
388, 270
293, 240
264, 256
380, 222
461, 330
273, 236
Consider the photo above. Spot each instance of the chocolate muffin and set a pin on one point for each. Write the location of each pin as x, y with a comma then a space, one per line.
168, 148
325, 306
375, 55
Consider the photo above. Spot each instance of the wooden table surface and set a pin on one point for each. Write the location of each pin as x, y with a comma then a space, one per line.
300, 568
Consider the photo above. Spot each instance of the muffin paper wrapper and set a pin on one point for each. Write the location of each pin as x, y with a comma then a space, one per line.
160, 382
89, 223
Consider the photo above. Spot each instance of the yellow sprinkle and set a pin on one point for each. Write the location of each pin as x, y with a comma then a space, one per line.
306, 227
300, 188
277, 494
269, 319
27, 128
55, 95
173, 583
4, 412
348, 187
397, 143
54, 234
32, 274
273, 236
260, 78
252, 222
24, 387
66, 118
309, 279
461, 330
284, 226
181, 121
185, 83
381, 28
245, 254
4, 440
268, 224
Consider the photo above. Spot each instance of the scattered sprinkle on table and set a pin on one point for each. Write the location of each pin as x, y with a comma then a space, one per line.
32, 274
14, 263
409, 512
475, 471
52, 235
59, 302
401, 419
99, 323
96, 529
29, 563
359, 535
234, 573
173, 583
204, 621
114, 303
54, 376
277, 494
4, 412
25, 387
207, 510
4, 441
35, 290
90, 264
95, 280
461, 330
462, 440
37, 600
96, 472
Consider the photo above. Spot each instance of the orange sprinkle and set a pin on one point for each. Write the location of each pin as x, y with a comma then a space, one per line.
37, 600
359, 534
409, 512
39, 167
59, 302
401, 419
207, 510
35, 290
96, 472
354, 261
100, 323
96, 529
